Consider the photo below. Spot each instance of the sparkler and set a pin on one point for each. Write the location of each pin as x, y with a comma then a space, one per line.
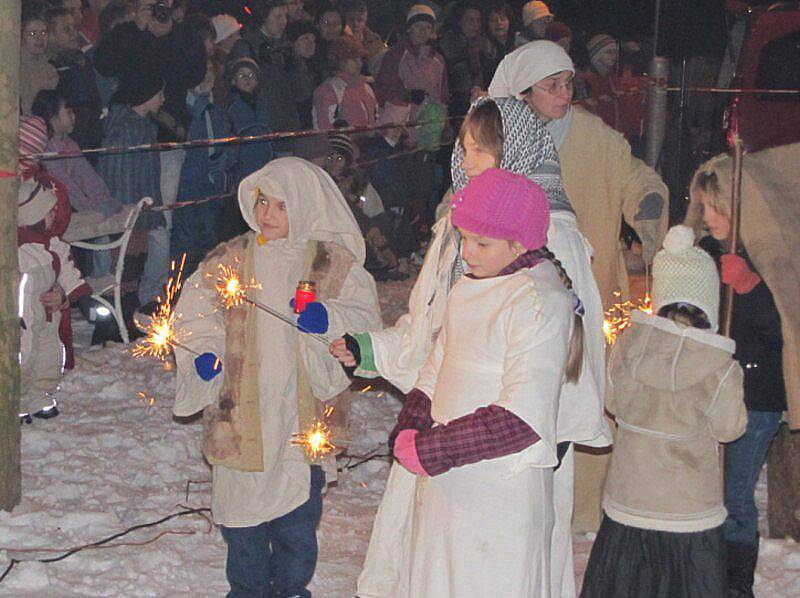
161, 337
618, 316
317, 438
233, 293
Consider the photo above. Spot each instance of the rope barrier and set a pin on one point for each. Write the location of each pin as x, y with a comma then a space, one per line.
231, 140
229, 194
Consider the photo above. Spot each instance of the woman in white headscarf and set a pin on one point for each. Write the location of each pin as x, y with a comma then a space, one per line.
602, 178
266, 492
604, 182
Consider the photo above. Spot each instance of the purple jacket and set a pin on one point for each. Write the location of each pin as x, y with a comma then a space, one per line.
85, 189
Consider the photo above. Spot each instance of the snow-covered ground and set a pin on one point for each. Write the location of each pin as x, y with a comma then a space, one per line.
114, 459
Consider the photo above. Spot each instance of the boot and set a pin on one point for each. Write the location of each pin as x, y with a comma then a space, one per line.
741, 559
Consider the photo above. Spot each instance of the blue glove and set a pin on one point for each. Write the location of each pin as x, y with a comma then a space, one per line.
314, 318
208, 366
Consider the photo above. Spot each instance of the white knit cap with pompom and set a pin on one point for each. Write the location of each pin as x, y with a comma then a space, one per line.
683, 273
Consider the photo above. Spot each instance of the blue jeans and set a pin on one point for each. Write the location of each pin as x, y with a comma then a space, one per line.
277, 558
156, 266
744, 459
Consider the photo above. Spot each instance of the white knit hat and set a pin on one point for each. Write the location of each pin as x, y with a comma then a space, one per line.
34, 202
533, 11
683, 273
224, 27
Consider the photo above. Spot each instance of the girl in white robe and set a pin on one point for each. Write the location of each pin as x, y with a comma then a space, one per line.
479, 428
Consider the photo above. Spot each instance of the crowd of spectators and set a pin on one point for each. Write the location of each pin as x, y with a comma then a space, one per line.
116, 73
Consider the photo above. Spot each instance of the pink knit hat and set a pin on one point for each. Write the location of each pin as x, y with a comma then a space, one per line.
502, 205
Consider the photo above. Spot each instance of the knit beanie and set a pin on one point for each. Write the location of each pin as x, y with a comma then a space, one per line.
420, 12
297, 29
224, 27
502, 205
136, 89
342, 144
34, 201
598, 43
32, 139
533, 11
683, 273
233, 66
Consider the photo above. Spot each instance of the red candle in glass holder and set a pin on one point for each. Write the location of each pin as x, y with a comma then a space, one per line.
306, 293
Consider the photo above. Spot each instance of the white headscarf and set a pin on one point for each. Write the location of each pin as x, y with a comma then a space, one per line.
528, 65
316, 208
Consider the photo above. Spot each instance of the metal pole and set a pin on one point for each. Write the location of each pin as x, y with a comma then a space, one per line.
733, 239
657, 102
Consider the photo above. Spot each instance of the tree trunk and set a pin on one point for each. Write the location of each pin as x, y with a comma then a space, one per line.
783, 485
10, 486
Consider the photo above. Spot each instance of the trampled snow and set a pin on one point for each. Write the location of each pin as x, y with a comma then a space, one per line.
115, 458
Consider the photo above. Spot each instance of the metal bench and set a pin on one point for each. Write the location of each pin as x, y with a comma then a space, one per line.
89, 226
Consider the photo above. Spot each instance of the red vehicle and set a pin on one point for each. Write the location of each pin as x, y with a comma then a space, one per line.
769, 60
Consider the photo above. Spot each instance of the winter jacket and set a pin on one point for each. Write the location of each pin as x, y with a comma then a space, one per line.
76, 82
676, 393
405, 67
275, 106
304, 79
132, 176
390, 176
465, 67
347, 98
179, 57
770, 219
87, 190
204, 168
604, 182
248, 157
756, 328
44, 260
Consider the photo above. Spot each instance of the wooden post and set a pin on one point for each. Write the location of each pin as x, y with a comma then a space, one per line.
10, 485
733, 238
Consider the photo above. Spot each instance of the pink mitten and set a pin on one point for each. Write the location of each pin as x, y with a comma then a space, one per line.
405, 451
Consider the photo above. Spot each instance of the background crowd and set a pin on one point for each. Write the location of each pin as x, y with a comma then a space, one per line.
114, 73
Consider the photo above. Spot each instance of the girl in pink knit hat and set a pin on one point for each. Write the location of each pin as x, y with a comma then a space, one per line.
479, 429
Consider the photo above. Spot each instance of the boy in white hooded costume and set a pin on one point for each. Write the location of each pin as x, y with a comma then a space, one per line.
265, 496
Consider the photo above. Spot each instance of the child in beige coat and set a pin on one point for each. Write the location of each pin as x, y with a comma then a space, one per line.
676, 393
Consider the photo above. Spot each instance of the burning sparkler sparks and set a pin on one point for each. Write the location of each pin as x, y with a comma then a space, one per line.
618, 316
232, 291
316, 440
161, 337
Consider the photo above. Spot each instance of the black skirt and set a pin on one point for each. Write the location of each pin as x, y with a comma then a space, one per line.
629, 562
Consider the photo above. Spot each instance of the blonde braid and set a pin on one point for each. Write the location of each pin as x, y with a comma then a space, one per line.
575, 355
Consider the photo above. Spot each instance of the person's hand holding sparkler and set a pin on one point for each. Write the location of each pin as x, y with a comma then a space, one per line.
208, 366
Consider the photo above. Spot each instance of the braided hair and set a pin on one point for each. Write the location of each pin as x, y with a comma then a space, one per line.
575, 354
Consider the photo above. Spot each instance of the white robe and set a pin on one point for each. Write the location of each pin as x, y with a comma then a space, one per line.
316, 211
484, 529
400, 352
